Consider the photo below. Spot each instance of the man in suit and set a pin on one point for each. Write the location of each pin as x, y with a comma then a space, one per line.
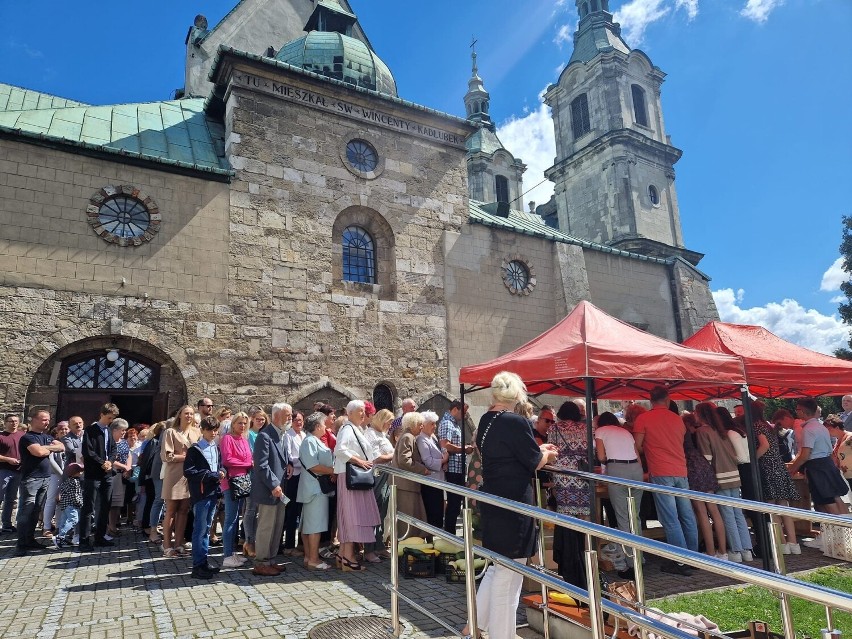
272, 467
97, 447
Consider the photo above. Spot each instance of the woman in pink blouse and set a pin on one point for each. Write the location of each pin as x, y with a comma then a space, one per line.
236, 458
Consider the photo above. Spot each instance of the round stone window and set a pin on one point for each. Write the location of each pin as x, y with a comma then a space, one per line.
518, 276
362, 156
123, 215
653, 195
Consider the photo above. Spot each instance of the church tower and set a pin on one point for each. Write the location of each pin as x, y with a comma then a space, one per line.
614, 168
494, 175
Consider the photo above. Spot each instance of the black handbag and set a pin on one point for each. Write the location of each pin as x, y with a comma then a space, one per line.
358, 478
240, 486
326, 483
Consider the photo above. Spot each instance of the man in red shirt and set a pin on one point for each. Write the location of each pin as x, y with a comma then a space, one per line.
659, 434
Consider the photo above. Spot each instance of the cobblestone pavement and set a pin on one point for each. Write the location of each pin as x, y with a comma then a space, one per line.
132, 592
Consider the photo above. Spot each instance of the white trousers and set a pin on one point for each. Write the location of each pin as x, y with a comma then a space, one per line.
497, 601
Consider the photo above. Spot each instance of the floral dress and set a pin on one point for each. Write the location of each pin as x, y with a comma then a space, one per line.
699, 471
776, 481
572, 493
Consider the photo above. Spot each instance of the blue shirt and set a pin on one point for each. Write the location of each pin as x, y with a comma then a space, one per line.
815, 436
208, 449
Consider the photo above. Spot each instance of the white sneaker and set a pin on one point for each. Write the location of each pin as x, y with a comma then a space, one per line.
233, 562
722, 556
747, 555
736, 557
109, 537
795, 549
816, 542
76, 540
785, 549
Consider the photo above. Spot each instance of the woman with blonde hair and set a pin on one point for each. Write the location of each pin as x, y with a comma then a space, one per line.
406, 456
175, 443
376, 435
510, 458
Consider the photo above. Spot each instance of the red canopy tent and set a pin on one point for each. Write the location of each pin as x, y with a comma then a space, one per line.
592, 353
775, 367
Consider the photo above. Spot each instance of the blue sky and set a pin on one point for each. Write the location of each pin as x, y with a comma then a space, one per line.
758, 96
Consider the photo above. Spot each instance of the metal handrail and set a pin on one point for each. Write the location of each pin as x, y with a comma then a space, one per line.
734, 502
786, 586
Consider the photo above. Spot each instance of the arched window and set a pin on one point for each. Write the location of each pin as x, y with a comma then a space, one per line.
640, 113
595, 5
113, 370
383, 397
359, 256
580, 116
501, 186
584, 11
653, 195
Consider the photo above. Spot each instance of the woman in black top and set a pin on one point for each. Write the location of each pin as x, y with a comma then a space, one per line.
510, 458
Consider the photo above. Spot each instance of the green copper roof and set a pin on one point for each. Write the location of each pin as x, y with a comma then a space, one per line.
533, 224
483, 140
340, 57
175, 132
14, 98
596, 34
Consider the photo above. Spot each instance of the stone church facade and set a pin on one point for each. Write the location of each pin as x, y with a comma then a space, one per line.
291, 228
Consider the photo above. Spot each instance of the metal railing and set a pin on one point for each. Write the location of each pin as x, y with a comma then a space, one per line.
778, 582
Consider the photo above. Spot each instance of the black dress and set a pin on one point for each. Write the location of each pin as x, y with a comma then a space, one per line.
510, 456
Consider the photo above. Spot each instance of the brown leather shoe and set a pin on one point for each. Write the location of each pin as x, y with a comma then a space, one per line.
265, 570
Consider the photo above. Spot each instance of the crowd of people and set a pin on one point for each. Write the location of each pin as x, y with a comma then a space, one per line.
266, 484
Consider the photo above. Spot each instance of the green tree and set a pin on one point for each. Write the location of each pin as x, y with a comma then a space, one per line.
845, 308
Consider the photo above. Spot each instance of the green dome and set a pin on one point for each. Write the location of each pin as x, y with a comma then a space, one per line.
341, 57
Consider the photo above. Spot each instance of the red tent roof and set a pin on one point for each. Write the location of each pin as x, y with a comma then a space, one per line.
775, 367
624, 362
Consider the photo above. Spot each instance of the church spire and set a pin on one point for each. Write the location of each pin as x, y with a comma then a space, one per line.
477, 98
596, 32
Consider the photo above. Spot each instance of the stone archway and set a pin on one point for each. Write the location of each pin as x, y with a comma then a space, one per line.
324, 391
42, 364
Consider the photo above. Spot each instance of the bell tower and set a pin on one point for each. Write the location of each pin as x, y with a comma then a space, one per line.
614, 170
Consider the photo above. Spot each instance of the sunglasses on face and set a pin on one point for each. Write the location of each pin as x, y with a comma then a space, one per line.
548, 421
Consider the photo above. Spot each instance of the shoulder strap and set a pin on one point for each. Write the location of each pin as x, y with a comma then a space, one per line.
485, 434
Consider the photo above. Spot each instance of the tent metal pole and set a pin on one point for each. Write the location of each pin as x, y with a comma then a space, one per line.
590, 439
760, 526
463, 415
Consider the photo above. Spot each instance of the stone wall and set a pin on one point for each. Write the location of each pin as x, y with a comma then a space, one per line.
484, 318
292, 195
47, 242
635, 291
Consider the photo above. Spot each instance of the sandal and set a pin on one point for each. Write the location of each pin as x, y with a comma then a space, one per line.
171, 553
350, 566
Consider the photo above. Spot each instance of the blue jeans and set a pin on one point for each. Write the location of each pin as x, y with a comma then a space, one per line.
68, 518
157, 504
736, 529
202, 512
231, 526
676, 514
9, 482
33, 495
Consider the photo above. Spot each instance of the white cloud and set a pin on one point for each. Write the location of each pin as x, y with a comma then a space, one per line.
834, 276
531, 139
759, 10
636, 15
788, 320
691, 7
565, 34
838, 299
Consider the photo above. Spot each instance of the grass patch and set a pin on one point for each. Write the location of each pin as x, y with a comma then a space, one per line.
734, 607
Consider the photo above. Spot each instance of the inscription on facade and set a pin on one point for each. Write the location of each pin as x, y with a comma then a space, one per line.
348, 109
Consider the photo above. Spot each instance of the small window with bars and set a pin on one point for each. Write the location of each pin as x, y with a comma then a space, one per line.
580, 124
98, 372
359, 256
640, 112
